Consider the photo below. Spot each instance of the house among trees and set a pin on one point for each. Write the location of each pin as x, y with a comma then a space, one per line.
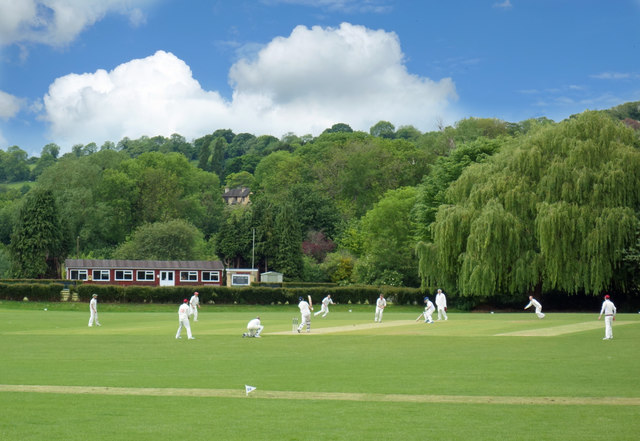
236, 196
145, 272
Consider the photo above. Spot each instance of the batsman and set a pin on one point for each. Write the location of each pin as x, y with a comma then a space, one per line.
305, 313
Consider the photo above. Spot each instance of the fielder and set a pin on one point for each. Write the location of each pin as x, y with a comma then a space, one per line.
533, 302
93, 308
428, 311
194, 305
183, 319
305, 315
441, 303
325, 306
609, 311
381, 303
254, 328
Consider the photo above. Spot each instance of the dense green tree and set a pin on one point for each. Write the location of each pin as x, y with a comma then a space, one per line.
217, 148
108, 145
277, 173
204, 161
288, 257
445, 170
550, 211
51, 149
315, 210
339, 267
263, 221
13, 165
388, 241
234, 240
383, 129
38, 244
409, 133
240, 145
5, 262
339, 127
240, 179
356, 174
227, 134
627, 110
470, 129
172, 240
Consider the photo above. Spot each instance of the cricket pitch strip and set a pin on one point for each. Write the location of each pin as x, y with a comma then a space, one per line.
335, 396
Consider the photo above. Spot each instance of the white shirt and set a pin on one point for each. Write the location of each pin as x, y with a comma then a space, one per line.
608, 308
183, 312
381, 303
428, 305
304, 308
326, 301
441, 300
195, 301
93, 305
535, 303
254, 324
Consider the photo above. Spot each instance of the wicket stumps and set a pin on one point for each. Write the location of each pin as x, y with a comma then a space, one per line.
294, 324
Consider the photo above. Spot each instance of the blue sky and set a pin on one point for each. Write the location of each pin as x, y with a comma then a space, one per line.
81, 71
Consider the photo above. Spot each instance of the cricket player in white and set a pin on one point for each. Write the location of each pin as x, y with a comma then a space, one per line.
254, 328
305, 314
609, 311
93, 308
325, 306
428, 311
533, 302
441, 303
194, 305
183, 319
381, 303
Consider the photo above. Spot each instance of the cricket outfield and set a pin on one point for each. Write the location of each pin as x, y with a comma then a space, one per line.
475, 376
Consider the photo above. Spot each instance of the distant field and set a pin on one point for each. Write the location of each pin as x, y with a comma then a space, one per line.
473, 377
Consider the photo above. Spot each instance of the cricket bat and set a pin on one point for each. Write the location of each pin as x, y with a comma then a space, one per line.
310, 302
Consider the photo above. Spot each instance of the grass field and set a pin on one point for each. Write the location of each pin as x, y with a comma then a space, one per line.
474, 377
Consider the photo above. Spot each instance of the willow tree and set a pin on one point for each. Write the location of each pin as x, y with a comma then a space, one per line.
551, 211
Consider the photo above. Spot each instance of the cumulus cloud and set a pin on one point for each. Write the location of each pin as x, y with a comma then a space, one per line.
58, 22
304, 83
9, 105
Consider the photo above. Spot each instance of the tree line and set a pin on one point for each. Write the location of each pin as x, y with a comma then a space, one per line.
481, 207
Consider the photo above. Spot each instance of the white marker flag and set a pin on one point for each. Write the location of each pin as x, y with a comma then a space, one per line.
248, 389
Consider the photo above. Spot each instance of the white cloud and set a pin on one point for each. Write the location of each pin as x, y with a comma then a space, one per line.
506, 4
303, 83
58, 22
615, 76
9, 105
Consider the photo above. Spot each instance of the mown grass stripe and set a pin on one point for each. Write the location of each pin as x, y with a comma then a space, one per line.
335, 396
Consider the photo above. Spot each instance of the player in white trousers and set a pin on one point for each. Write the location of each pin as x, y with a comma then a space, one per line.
609, 311
305, 315
325, 306
254, 328
183, 319
93, 309
441, 304
428, 311
536, 304
381, 303
194, 305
